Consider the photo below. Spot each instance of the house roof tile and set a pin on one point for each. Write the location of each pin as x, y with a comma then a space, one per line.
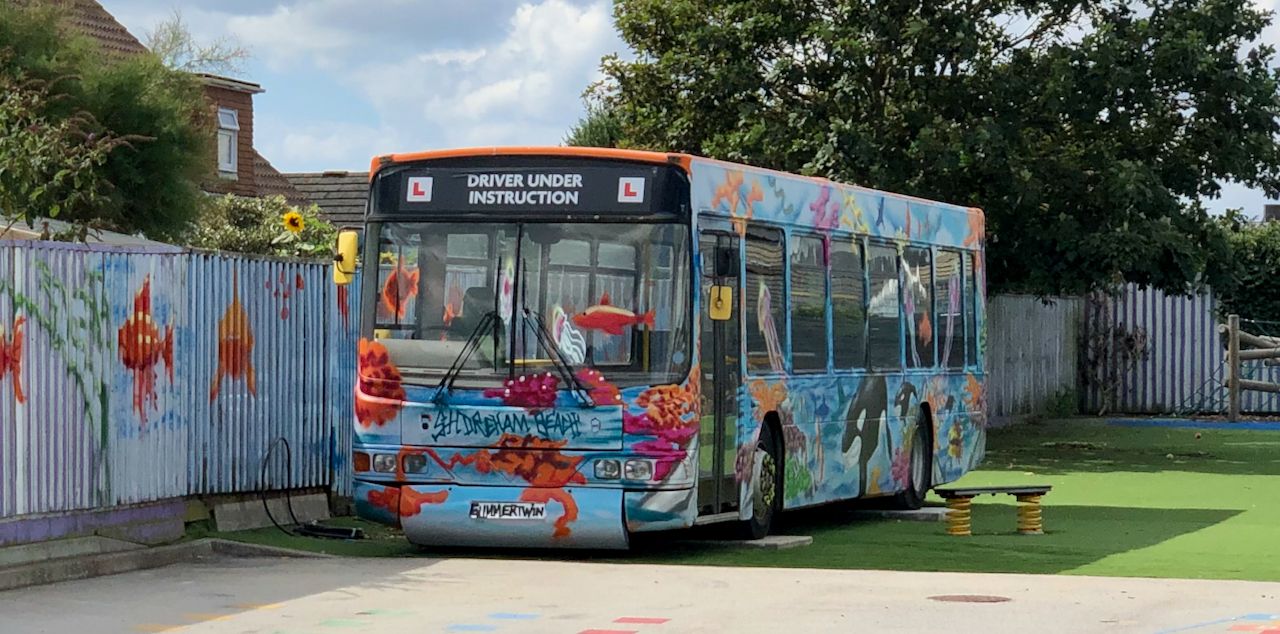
341, 196
91, 19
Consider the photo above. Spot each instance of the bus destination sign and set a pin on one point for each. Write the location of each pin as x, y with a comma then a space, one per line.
588, 189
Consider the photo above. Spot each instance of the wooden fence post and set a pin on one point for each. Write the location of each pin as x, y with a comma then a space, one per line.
1233, 368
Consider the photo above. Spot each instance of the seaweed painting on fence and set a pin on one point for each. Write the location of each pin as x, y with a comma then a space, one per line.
73, 314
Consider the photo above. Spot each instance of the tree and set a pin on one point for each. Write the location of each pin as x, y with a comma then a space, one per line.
50, 166
599, 128
173, 43
151, 184
1088, 130
1246, 284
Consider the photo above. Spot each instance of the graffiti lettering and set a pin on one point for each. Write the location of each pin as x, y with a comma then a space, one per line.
544, 424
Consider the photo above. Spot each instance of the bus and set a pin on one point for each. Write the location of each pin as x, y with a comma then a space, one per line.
562, 347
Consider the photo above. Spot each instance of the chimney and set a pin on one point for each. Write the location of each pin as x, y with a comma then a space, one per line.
1271, 212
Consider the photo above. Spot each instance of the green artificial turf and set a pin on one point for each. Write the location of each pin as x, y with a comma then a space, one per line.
1126, 501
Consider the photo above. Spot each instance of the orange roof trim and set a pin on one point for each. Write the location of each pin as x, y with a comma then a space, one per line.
685, 161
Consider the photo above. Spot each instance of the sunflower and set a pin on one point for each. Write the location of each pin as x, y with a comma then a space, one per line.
293, 222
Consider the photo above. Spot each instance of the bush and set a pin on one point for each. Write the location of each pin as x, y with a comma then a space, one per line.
257, 226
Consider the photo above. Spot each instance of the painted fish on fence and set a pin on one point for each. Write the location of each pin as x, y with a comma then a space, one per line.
142, 347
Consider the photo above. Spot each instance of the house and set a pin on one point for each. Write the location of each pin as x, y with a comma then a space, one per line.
341, 196
241, 169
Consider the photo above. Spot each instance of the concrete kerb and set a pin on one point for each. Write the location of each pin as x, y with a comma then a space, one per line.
71, 568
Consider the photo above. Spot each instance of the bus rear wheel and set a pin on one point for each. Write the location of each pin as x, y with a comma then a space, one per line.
766, 497
921, 470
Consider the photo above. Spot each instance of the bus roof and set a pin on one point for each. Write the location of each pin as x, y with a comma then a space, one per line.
642, 156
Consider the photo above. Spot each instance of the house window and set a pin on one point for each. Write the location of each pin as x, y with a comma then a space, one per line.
228, 133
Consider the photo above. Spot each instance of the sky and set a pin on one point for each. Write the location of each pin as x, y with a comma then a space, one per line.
347, 80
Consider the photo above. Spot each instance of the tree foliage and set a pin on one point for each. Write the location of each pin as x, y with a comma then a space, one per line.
149, 184
50, 166
1088, 130
256, 226
171, 40
599, 128
1247, 284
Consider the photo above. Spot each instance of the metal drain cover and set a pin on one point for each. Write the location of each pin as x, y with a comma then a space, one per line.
970, 598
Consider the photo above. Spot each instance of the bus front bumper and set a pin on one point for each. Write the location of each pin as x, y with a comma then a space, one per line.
487, 516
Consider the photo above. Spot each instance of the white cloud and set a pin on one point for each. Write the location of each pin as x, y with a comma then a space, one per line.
349, 79
526, 88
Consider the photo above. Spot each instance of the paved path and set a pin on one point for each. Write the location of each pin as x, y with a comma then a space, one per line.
394, 596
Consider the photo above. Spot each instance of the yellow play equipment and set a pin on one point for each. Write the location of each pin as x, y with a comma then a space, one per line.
960, 507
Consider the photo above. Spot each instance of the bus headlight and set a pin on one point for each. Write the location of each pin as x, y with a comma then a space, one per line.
638, 470
384, 462
608, 470
415, 463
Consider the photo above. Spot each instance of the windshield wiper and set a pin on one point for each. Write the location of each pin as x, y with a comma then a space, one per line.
488, 320
543, 335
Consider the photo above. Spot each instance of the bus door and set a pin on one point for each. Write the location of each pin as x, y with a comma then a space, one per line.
720, 331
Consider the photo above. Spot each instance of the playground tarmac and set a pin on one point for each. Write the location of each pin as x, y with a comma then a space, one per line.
394, 596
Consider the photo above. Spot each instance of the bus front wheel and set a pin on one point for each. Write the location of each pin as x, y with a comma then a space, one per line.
921, 470
766, 497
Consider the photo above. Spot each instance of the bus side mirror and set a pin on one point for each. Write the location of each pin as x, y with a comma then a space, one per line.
720, 306
344, 257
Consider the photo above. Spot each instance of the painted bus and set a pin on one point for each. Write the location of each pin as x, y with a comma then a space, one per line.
562, 347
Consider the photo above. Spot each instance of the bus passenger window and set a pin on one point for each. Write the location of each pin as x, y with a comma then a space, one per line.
948, 298
808, 304
917, 275
884, 324
970, 320
848, 304
765, 297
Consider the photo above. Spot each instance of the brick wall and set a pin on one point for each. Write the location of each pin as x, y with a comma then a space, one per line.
242, 102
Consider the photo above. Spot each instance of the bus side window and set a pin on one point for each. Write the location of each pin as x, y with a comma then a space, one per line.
848, 303
766, 323
884, 322
970, 320
948, 300
917, 275
808, 304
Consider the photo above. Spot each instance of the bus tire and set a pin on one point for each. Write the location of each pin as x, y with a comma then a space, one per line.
921, 471
766, 499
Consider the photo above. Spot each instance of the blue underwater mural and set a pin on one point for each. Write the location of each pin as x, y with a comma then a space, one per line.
847, 432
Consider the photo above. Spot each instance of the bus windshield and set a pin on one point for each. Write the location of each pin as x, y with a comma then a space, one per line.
608, 296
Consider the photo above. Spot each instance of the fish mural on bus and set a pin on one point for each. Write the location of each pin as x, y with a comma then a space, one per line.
848, 435
11, 358
399, 289
610, 319
143, 346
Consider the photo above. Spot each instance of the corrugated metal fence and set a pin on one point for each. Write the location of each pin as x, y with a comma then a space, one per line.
136, 374
1184, 367
1031, 354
